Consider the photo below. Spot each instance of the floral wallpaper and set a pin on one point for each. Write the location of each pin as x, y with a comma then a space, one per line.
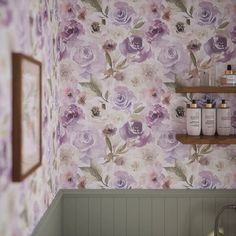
28, 27
118, 111
110, 111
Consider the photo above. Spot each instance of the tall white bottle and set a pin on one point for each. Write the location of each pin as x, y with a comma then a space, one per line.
208, 119
193, 119
223, 119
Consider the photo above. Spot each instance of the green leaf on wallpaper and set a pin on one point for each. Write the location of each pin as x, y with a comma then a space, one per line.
106, 180
92, 86
94, 3
121, 149
194, 146
139, 25
206, 149
106, 95
109, 145
177, 171
106, 11
108, 59
171, 85
193, 58
93, 171
121, 65
179, 4
191, 180
191, 10
223, 25
24, 216
139, 109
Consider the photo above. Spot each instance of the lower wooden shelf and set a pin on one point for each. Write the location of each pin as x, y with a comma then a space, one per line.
187, 139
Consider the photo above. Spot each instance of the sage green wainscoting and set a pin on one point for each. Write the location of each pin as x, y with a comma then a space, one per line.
51, 222
143, 212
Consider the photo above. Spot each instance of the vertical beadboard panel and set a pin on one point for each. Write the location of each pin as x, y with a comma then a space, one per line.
231, 215
209, 206
196, 215
171, 217
183, 217
145, 217
69, 216
158, 217
132, 226
94, 216
107, 219
220, 202
82, 220
119, 216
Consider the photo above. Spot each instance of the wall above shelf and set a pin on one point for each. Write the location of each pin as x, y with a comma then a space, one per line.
187, 139
206, 89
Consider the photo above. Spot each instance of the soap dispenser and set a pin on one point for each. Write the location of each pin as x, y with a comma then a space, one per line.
193, 114
208, 119
223, 119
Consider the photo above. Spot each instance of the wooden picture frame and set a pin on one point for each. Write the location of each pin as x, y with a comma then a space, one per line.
26, 116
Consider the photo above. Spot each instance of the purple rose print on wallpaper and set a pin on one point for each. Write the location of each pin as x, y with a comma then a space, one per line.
123, 124
136, 132
122, 180
157, 115
207, 180
220, 45
71, 31
71, 116
156, 30
135, 47
206, 13
173, 57
89, 58
123, 98
133, 109
121, 13
90, 143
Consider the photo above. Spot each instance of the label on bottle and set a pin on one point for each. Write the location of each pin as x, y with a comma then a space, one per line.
193, 121
223, 121
209, 121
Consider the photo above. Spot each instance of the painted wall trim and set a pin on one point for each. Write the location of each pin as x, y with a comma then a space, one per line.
151, 193
46, 221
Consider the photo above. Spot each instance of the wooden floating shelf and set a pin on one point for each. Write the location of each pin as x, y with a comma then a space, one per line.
187, 139
206, 89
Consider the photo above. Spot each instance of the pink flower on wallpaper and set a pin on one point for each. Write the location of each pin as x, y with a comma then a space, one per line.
206, 14
136, 47
122, 180
157, 115
121, 13
122, 98
154, 8
70, 9
136, 132
69, 177
90, 58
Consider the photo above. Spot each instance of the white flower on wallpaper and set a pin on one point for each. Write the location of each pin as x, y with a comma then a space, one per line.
126, 57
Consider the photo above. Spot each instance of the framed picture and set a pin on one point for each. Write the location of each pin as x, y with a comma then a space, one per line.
26, 104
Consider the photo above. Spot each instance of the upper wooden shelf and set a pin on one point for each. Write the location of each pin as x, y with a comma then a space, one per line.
206, 89
187, 139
